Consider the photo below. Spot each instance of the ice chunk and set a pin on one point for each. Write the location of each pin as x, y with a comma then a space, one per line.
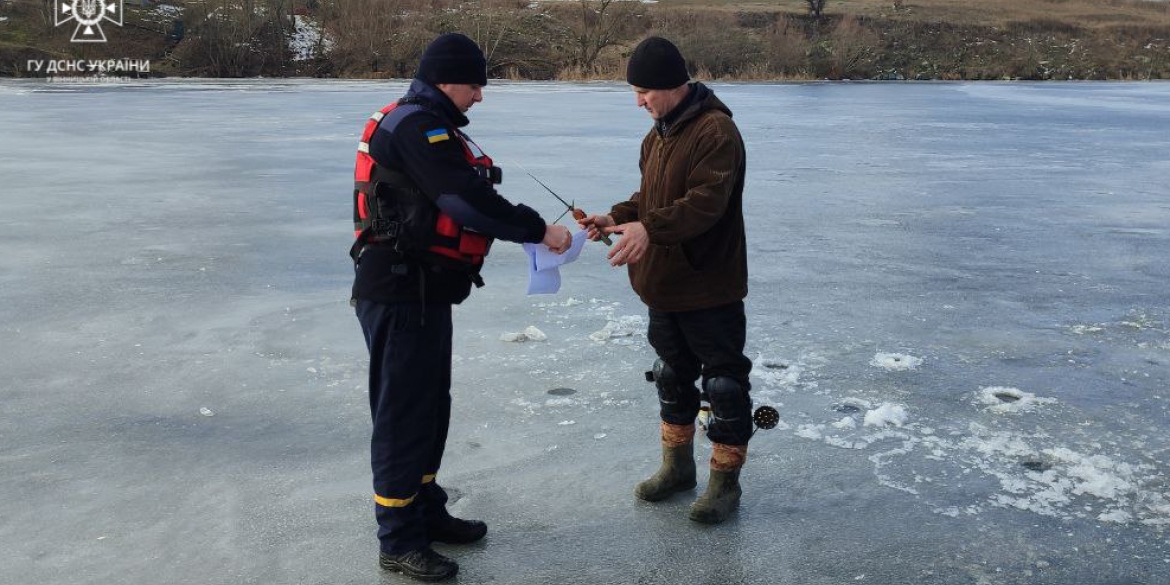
810, 432
886, 414
846, 423
624, 326
530, 333
1118, 516
1007, 400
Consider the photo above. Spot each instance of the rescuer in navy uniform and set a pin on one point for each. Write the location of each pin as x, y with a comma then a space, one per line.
425, 214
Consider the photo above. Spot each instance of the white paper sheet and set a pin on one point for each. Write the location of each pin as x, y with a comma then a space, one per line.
544, 275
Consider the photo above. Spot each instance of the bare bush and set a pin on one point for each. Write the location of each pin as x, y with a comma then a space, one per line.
847, 52
788, 48
381, 38
237, 38
702, 38
854, 47
514, 38
596, 25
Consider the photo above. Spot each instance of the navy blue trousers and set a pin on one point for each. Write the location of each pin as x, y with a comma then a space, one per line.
706, 343
410, 405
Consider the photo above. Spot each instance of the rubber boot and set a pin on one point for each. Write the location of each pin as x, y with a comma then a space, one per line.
723, 491
677, 473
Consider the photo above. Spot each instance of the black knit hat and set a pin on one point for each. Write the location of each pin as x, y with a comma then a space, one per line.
656, 64
452, 58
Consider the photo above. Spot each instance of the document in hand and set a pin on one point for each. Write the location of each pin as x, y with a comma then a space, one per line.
544, 276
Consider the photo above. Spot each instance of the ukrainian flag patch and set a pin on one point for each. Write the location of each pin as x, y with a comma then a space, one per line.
438, 135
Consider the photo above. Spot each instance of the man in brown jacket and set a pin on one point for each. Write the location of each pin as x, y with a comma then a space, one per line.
683, 240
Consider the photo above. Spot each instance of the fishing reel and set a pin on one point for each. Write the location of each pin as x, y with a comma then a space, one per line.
766, 418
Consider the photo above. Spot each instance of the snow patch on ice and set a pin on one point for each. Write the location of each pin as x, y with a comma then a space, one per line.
530, 333
1140, 322
776, 372
624, 326
570, 302
773, 374
1118, 516
846, 423
809, 431
1033, 472
1008, 400
853, 404
895, 362
886, 415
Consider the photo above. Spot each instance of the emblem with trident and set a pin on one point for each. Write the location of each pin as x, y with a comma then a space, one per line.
89, 15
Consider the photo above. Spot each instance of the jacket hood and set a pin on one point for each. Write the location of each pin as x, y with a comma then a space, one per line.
421, 91
701, 99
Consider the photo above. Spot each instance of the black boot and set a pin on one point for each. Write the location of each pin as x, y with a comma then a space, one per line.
720, 499
677, 474
423, 564
452, 530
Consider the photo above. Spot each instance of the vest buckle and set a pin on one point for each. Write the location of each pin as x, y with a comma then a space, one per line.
385, 227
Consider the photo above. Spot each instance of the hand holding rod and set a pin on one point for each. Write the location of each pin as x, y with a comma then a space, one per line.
577, 212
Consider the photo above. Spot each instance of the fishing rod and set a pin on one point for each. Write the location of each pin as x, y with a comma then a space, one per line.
577, 212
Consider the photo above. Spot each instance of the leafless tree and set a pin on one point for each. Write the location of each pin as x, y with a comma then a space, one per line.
237, 38
600, 24
492, 24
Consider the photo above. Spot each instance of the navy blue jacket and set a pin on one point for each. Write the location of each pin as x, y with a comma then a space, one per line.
441, 171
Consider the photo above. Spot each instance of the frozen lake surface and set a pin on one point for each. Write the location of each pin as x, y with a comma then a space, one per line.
959, 304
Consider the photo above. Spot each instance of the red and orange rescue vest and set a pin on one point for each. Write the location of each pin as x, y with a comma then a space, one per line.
447, 239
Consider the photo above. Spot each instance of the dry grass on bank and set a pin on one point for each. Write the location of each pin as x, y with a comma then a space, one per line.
1077, 13
591, 39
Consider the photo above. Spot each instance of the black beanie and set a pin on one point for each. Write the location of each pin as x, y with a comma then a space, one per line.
452, 58
656, 64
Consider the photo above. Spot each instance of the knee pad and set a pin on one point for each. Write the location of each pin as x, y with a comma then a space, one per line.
727, 396
673, 389
666, 379
664, 375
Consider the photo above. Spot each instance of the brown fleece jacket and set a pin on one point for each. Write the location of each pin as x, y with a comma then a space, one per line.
691, 202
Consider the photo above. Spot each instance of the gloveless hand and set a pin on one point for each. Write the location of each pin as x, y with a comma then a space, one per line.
557, 238
594, 224
632, 246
